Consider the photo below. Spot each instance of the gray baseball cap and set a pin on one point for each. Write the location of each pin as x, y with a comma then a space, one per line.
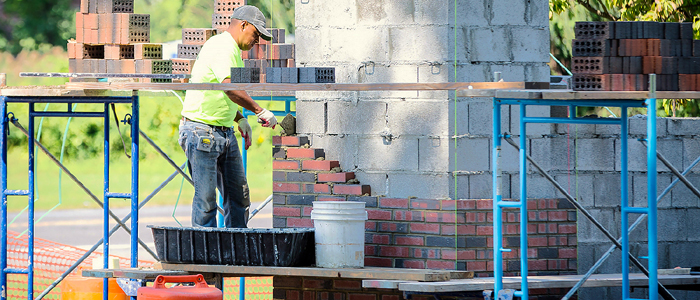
252, 15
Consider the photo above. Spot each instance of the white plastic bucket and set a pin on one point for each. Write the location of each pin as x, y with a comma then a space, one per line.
339, 233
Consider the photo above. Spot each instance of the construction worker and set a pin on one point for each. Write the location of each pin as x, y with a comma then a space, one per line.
206, 134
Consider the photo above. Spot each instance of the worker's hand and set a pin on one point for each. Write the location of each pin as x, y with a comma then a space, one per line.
246, 131
267, 118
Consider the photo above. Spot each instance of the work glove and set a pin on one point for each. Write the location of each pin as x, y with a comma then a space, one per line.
246, 131
267, 118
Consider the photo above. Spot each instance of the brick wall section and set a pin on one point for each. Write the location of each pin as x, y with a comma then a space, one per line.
420, 233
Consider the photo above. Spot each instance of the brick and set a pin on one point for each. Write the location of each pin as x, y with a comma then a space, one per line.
312, 283
425, 204
298, 222
425, 228
696, 48
376, 214
148, 51
290, 141
461, 204
351, 189
197, 36
392, 227
115, 6
285, 165
686, 31
301, 177
653, 30
369, 201
589, 65
305, 153
594, 30
226, 7
188, 51
672, 30
686, 82
344, 284
319, 165
410, 240
393, 203
332, 198
591, 48
615, 65
135, 28
340, 177
286, 281
591, 83
286, 211
282, 187
416, 216
300, 199
221, 22
461, 229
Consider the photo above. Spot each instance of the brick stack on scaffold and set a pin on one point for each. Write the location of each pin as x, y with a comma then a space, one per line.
619, 56
110, 38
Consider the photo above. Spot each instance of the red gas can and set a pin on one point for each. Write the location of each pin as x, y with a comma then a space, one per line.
200, 290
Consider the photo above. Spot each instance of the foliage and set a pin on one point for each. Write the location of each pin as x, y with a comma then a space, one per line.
35, 24
564, 14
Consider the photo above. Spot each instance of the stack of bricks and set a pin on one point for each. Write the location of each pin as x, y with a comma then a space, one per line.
272, 58
618, 56
192, 41
421, 233
110, 38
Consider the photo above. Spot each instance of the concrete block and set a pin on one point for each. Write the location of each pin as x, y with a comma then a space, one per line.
537, 72
552, 153
537, 13
310, 45
490, 46
508, 13
472, 13
418, 44
693, 227
595, 154
435, 73
425, 186
472, 73
362, 117
408, 117
377, 153
672, 225
473, 155
533, 129
480, 117
432, 13
388, 74
671, 149
612, 264
527, 45
378, 181
460, 110
682, 196
434, 154
606, 190
509, 72
462, 189
537, 186
273, 75
362, 44
311, 117
691, 152
510, 156
341, 148
588, 233
683, 126
315, 14
578, 186
385, 12
639, 187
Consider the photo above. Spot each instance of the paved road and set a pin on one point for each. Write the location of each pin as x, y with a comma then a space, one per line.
84, 227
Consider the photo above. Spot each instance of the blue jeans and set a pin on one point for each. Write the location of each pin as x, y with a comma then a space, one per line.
214, 161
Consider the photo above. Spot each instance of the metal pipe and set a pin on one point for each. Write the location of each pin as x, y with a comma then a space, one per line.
624, 200
496, 180
114, 229
134, 180
572, 120
3, 188
81, 185
675, 171
523, 203
30, 212
260, 207
665, 293
651, 190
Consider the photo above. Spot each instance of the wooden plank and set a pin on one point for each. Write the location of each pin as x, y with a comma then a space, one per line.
534, 282
100, 273
297, 86
363, 273
130, 273
383, 284
58, 91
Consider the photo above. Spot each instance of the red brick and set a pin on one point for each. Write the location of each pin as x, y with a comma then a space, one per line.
390, 251
557, 241
440, 265
484, 230
552, 228
309, 295
401, 215
370, 226
425, 204
317, 284
537, 241
285, 165
567, 252
306, 212
470, 217
557, 264
484, 204
340, 284
567, 229
286, 211
461, 229
293, 295
396, 297
377, 214
617, 82
393, 203
558, 215
512, 229
410, 241
283, 187
318, 188
331, 198
531, 204
294, 222
370, 250
425, 253
537, 265
461, 254
476, 265
446, 217
304, 153
351, 189
383, 239
425, 228
319, 165
340, 177
461, 204
353, 296
290, 141
686, 82
286, 281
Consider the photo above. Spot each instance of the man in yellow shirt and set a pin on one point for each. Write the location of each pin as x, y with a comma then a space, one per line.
206, 133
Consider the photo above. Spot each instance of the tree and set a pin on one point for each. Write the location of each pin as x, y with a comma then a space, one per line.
35, 24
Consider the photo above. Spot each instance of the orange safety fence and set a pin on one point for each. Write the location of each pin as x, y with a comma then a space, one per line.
51, 260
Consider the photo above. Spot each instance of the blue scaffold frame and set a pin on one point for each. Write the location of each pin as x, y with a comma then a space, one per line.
499, 204
133, 194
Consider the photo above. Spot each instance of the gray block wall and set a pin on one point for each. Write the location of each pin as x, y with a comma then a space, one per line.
403, 142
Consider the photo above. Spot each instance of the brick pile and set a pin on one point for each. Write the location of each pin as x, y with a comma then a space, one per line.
110, 38
421, 233
618, 56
